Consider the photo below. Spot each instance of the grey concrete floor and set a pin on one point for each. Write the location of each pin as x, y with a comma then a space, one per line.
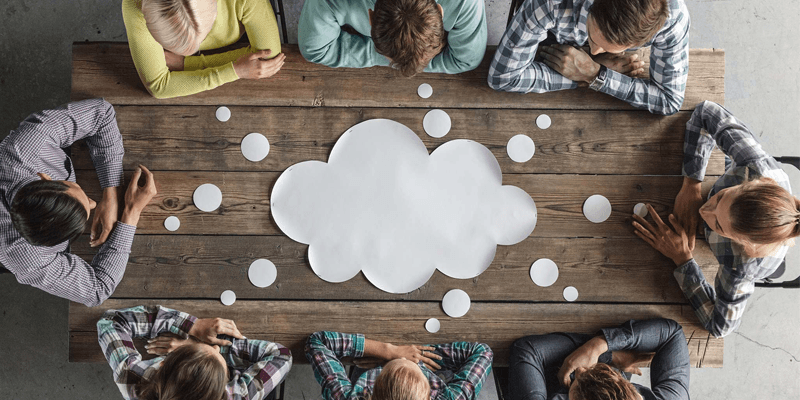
762, 88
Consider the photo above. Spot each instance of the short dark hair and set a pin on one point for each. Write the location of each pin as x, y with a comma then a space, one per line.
629, 22
45, 214
408, 32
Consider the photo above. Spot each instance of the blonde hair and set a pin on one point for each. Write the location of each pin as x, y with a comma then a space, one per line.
398, 382
189, 372
175, 24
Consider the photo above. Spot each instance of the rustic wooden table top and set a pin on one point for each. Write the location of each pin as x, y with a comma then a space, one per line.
596, 144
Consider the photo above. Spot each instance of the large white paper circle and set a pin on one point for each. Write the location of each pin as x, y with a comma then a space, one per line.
570, 293
425, 90
227, 297
207, 197
223, 114
597, 208
433, 325
436, 123
543, 121
255, 147
520, 148
544, 272
640, 209
262, 273
456, 303
172, 223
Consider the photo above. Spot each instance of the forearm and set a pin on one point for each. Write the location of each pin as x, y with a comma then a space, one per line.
658, 98
374, 348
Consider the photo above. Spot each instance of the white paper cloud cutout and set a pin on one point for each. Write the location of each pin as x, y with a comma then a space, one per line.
382, 205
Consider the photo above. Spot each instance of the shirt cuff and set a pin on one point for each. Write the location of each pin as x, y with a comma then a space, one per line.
110, 174
617, 339
687, 273
358, 345
227, 73
121, 237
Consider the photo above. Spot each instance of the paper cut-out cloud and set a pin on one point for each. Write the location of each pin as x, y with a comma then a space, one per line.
382, 205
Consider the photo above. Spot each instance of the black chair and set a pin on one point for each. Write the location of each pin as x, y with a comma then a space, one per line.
277, 7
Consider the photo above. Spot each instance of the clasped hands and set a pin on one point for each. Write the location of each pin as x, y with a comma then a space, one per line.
204, 330
106, 214
587, 355
577, 65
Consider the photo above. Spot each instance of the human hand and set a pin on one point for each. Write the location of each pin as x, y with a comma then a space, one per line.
584, 356
137, 197
687, 208
671, 242
571, 62
624, 63
105, 216
207, 329
174, 61
166, 343
256, 66
625, 360
415, 354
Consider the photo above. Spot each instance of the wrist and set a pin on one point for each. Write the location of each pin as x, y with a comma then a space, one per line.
130, 216
389, 351
691, 183
110, 194
682, 259
594, 72
598, 346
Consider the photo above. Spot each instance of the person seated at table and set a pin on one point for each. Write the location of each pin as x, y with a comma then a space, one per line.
192, 363
42, 209
609, 28
579, 367
165, 36
446, 36
400, 372
750, 218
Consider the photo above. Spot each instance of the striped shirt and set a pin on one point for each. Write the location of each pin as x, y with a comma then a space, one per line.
36, 146
720, 308
256, 367
513, 68
469, 362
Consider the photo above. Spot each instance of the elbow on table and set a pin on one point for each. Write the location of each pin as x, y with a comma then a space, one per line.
502, 85
719, 331
672, 104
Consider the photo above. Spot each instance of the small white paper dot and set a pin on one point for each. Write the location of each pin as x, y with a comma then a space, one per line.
456, 303
543, 121
207, 197
227, 297
255, 147
521, 148
432, 325
570, 293
425, 90
223, 114
436, 123
640, 209
262, 273
544, 272
597, 208
172, 223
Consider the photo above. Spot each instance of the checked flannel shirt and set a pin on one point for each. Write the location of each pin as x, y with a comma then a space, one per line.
513, 68
720, 310
470, 363
255, 367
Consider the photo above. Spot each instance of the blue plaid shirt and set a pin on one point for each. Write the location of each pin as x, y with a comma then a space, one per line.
513, 68
721, 310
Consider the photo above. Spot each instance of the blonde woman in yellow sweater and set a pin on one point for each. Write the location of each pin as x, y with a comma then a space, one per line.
164, 35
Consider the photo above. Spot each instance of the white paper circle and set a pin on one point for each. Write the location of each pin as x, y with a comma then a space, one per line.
432, 325
227, 297
262, 273
223, 114
207, 197
570, 293
172, 223
640, 209
456, 303
424, 90
597, 208
544, 272
436, 123
255, 147
543, 121
521, 148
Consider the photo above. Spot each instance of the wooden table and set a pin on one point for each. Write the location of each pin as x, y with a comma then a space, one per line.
597, 144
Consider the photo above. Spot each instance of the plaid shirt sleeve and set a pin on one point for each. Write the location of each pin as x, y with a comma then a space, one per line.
116, 330
471, 363
513, 68
265, 366
324, 350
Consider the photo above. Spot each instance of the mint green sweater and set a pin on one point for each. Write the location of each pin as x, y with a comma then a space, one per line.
323, 41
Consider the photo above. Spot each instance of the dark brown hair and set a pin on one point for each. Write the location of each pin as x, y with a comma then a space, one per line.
408, 32
189, 372
44, 213
397, 382
765, 212
600, 382
629, 22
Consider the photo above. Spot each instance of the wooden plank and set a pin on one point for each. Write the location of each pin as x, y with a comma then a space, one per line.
497, 324
106, 70
581, 142
176, 266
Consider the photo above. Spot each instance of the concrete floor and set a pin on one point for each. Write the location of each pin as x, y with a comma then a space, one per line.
762, 89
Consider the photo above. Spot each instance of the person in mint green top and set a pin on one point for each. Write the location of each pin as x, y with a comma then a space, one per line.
446, 36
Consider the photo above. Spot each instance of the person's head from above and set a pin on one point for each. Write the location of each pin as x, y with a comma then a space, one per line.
408, 32
759, 214
600, 382
47, 212
614, 26
179, 26
401, 379
195, 371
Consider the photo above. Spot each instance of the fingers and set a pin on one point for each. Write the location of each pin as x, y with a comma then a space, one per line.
637, 371
647, 239
229, 328
676, 224
219, 342
135, 178
563, 374
656, 217
96, 225
644, 224
430, 363
96, 239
